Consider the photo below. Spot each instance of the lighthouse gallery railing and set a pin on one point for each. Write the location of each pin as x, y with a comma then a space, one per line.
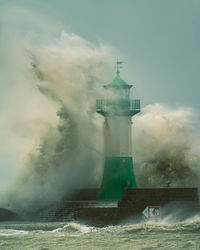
130, 106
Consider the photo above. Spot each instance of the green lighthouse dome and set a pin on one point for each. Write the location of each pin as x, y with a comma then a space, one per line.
118, 82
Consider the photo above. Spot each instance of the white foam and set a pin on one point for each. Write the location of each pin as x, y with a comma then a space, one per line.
10, 232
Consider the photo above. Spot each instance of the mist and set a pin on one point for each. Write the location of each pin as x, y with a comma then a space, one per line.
166, 147
51, 79
49, 121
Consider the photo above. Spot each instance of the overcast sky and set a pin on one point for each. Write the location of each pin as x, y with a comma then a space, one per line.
159, 41
159, 38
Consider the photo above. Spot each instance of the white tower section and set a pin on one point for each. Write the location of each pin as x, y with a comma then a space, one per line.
119, 139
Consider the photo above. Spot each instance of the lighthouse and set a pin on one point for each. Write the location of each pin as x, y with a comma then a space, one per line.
118, 109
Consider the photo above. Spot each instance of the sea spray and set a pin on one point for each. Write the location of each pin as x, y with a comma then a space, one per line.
69, 156
166, 147
51, 118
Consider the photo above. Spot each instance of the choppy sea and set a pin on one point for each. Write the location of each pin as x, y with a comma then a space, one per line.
164, 234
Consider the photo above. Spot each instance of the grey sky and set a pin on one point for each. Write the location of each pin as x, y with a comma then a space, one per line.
160, 39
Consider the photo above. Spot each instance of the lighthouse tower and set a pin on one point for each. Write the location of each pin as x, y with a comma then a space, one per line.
118, 110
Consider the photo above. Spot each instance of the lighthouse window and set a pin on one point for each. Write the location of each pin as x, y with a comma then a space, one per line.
124, 93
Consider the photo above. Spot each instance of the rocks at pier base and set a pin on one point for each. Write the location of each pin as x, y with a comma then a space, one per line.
7, 215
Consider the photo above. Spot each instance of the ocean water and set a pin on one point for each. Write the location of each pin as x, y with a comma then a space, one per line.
163, 234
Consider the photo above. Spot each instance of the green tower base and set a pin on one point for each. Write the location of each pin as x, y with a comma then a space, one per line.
118, 175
